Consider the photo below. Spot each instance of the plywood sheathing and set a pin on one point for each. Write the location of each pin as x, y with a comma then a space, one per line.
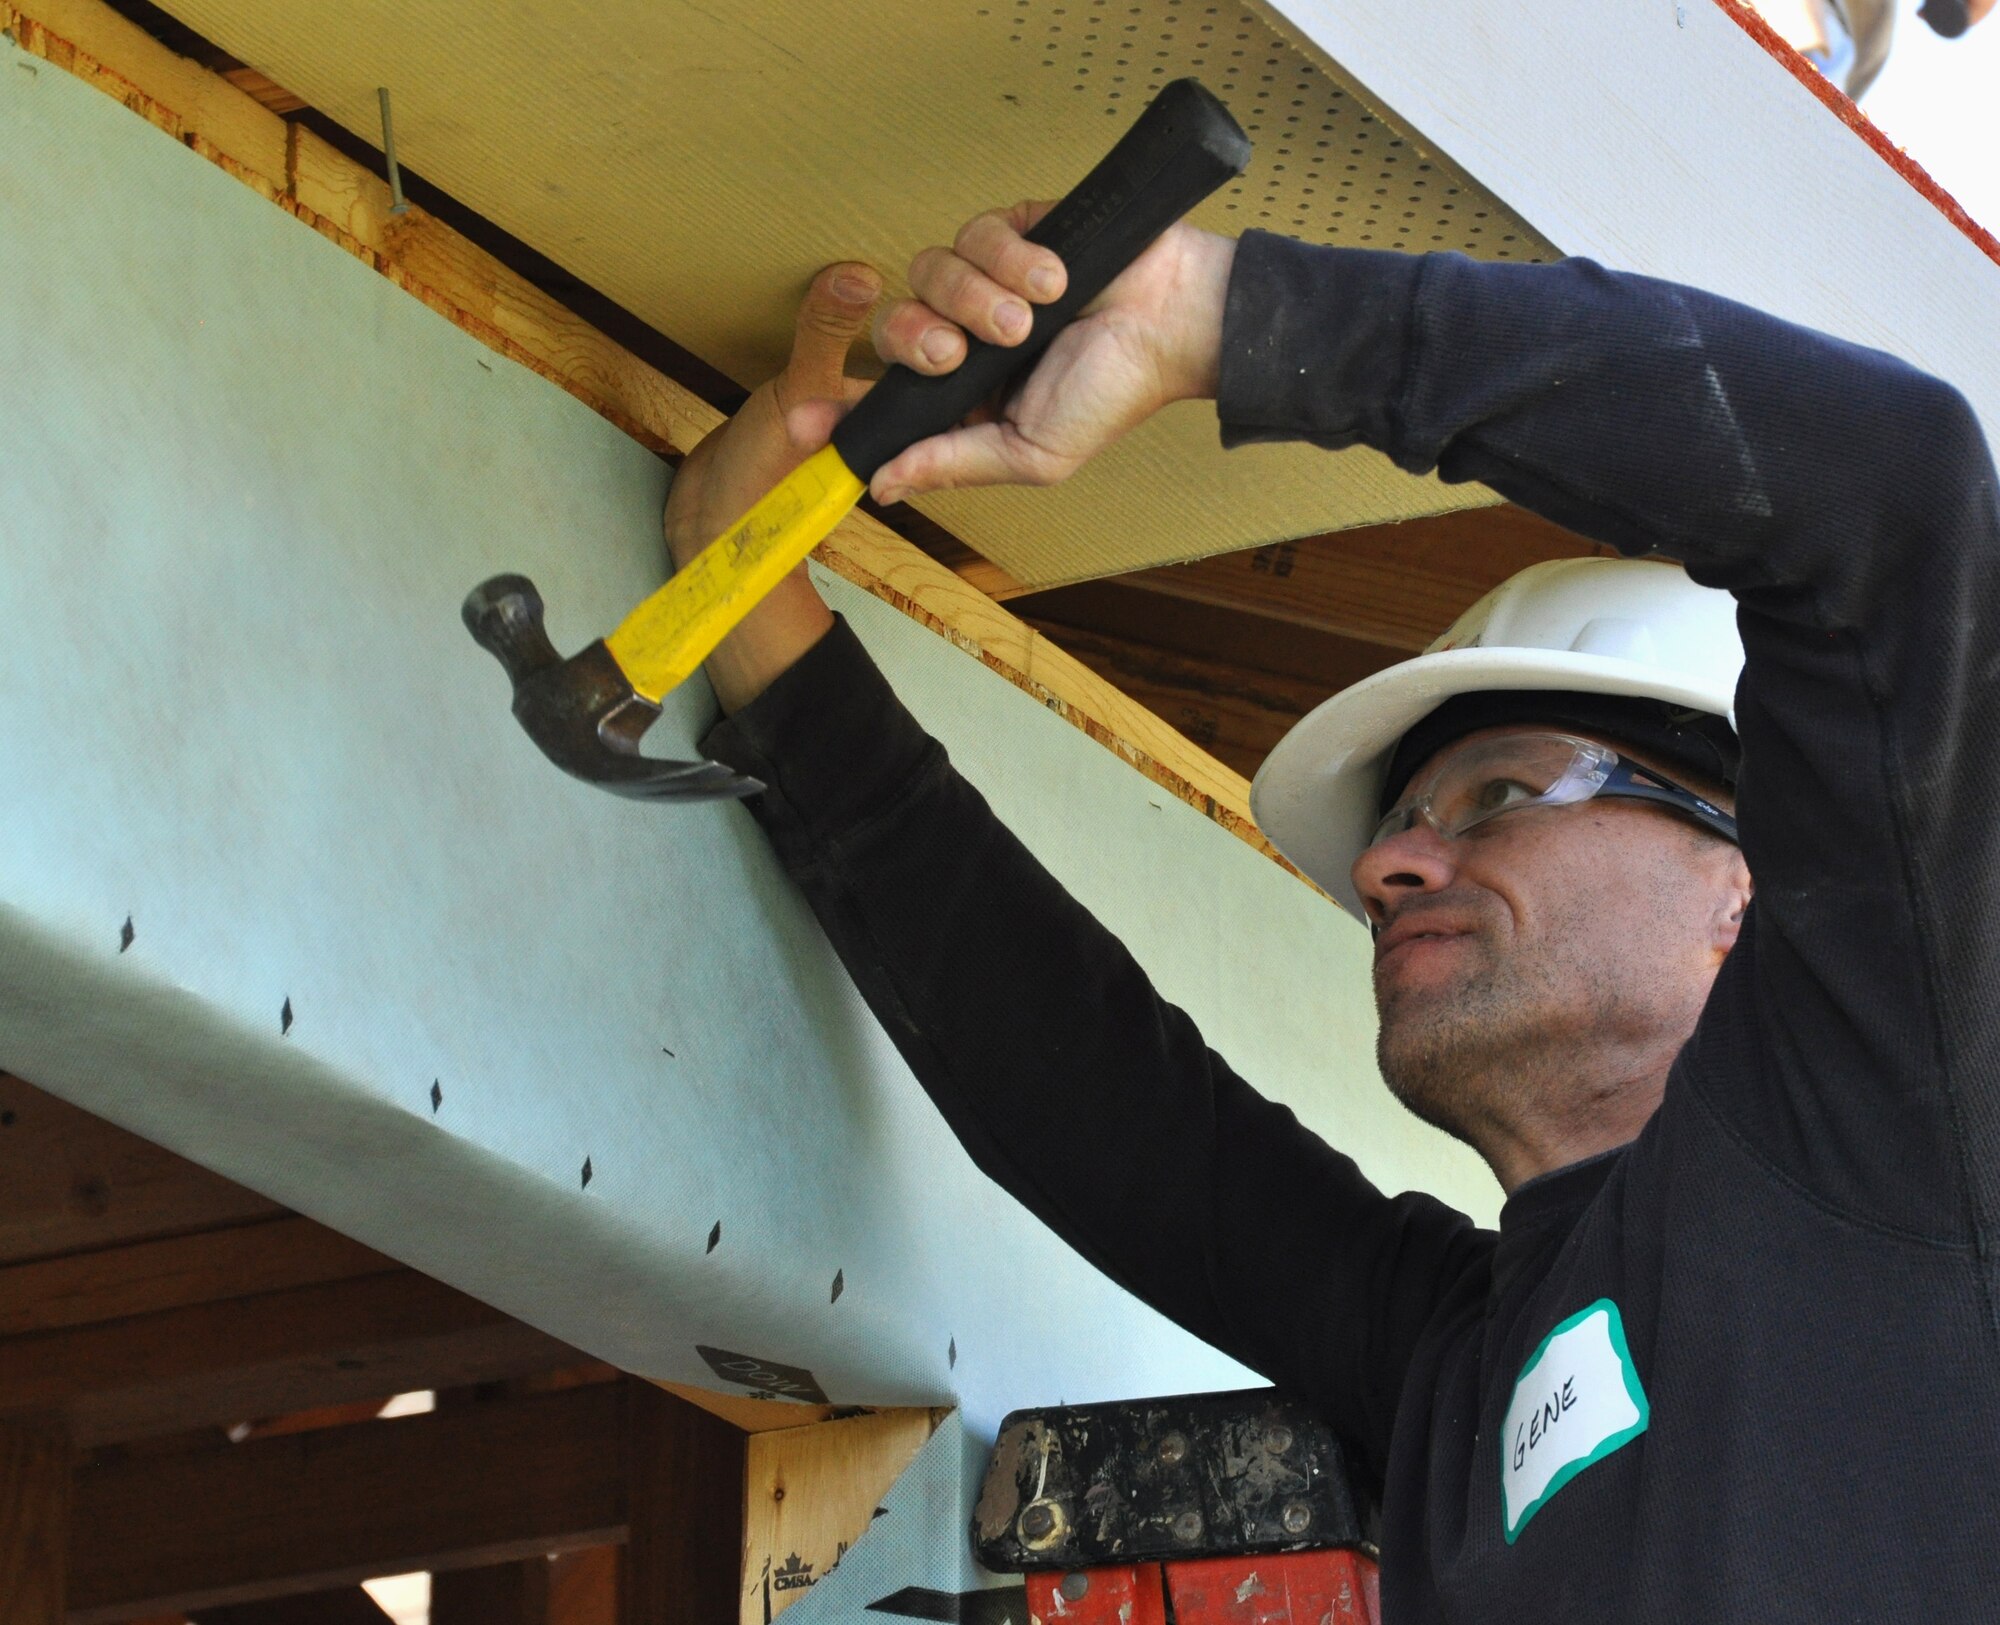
697, 163
346, 204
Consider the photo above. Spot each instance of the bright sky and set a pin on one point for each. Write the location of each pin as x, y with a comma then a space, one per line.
1939, 100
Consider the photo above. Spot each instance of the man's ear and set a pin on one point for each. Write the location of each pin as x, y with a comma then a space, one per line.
1732, 898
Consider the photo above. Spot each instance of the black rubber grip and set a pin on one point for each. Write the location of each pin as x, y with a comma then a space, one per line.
1181, 149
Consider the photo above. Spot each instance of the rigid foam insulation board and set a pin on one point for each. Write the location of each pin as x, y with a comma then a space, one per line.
388, 966
697, 162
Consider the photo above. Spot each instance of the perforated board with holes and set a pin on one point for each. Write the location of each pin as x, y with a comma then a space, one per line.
1329, 167
698, 162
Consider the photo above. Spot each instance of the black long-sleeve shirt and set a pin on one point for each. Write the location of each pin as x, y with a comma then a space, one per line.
1800, 1246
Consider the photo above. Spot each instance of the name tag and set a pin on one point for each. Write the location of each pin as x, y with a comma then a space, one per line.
1579, 1399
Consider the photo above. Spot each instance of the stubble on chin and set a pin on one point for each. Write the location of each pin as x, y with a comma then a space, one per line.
1439, 1047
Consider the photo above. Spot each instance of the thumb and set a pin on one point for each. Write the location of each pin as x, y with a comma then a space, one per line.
992, 453
831, 318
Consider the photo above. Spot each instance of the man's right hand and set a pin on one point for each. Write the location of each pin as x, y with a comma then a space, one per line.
1153, 337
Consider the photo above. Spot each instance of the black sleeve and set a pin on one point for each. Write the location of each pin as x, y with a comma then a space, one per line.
1066, 1076
1847, 500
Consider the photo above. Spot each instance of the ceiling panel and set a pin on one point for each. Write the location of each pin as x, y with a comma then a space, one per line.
698, 161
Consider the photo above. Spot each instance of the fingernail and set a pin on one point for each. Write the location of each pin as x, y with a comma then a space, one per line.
1011, 317
1043, 283
853, 290
895, 494
940, 347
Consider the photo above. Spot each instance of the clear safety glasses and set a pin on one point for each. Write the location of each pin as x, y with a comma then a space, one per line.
1487, 777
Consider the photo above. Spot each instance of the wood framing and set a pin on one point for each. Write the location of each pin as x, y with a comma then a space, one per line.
685, 1488
348, 1605
811, 1493
178, 1272
511, 1480
247, 1357
350, 206
35, 1475
75, 1182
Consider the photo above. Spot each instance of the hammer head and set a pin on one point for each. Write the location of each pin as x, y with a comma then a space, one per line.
582, 711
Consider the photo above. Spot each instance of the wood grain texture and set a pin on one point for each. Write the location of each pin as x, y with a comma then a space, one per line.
811, 1493
313, 1511
35, 1475
1397, 586
71, 1182
150, 1276
347, 204
1235, 713
685, 1488
242, 1358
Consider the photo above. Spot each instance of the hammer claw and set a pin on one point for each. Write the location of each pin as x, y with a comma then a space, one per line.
583, 712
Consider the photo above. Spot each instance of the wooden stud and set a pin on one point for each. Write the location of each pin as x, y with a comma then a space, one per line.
35, 1479
584, 1587
244, 1358
812, 1493
685, 1486
312, 1511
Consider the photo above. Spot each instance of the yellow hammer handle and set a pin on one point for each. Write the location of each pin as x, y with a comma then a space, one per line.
662, 641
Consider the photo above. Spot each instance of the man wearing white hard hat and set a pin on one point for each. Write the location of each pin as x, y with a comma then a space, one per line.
1750, 1140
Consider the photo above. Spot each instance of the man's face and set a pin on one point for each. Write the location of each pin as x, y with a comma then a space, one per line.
1512, 959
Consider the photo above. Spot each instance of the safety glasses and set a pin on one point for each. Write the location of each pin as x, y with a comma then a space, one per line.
1487, 777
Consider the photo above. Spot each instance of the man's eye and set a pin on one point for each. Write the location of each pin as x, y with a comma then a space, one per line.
1496, 795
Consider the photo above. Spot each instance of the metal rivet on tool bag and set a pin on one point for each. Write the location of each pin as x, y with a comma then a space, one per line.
1172, 1449
1278, 1440
1298, 1517
396, 203
1040, 1523
1188, 1526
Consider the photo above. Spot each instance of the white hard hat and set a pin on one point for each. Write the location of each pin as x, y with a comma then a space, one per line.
1634, 628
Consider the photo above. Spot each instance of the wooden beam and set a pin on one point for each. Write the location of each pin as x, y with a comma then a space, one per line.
242, 1358
312, 1511
346, 1605
73, 1182
148, 1277
1398, 586
35, 1477
685, 1486
1234, 713
811, 1494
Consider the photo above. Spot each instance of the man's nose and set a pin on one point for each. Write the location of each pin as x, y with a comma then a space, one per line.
1412, 862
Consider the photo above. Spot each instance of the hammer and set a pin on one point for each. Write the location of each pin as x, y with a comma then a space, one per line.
588, 712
